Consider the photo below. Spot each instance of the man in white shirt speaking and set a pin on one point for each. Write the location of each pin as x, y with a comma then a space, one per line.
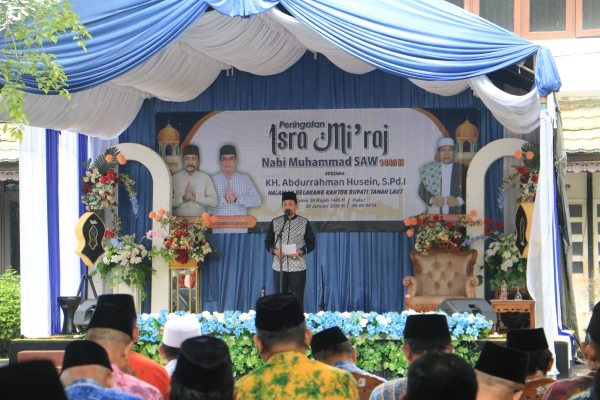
443, 183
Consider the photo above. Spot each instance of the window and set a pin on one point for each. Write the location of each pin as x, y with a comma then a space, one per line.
579, 237
539, 19
9, 225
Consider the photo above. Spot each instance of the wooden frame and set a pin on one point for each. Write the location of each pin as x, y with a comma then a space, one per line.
579, 31
573, 22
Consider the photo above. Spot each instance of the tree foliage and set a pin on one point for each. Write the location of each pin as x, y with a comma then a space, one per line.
10, 309
26, 26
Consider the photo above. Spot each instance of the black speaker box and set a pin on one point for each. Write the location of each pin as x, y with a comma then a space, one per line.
473, 306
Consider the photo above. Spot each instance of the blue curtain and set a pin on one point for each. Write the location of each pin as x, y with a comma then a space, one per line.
363, 271
83, 157
53, 226
431, 40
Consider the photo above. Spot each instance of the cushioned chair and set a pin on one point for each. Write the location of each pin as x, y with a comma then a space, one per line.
440, 274
366, 384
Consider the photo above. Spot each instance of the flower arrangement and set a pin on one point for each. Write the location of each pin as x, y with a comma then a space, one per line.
100, 185
377, 337
185, 239
526, 175
434, 231
125, 262
504, 261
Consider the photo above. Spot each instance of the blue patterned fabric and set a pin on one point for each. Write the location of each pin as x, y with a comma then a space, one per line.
88, 389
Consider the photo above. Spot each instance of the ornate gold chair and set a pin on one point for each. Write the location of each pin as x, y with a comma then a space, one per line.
440, 274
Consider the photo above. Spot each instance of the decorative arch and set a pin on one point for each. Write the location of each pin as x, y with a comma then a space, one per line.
161, 198
476, 185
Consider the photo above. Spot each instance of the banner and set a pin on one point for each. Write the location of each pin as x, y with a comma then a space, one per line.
370, 165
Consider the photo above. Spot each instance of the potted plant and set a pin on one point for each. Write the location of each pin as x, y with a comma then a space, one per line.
434, 231
526, 177
185, 240
504, 262
125, 262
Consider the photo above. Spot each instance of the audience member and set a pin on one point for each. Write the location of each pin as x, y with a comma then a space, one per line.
332, 347
439, 375
111, 327
87, 374
590, 347
31, 380
534, 343
204, 371
141, 367
423, 333
282, 340
500, 372
177, 330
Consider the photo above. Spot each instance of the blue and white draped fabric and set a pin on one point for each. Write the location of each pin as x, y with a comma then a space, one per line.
35, 295
431, 40
69, 187
174, 50
543, 263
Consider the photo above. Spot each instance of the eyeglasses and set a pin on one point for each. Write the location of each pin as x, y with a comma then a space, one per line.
226, 159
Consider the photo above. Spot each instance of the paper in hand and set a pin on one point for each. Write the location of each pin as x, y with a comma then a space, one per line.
288, 249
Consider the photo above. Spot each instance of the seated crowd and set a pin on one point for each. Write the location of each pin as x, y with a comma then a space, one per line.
103, 366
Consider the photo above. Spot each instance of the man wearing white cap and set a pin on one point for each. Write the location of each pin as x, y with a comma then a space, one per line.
443, 182
177, 331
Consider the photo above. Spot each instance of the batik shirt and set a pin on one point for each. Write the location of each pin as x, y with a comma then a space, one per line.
296, 231
132, 385
585, 395
291, 375
351, 367
565, 389
89, 389
391, 390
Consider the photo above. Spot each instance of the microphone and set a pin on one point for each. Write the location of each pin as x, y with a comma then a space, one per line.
287, 213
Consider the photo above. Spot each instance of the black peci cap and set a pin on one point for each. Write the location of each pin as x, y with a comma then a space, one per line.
227, 149
289, 196
85, 352
204, 364
191, 150
502, 362
122, 300
31, 380
327, 338
112, 317
426, 325
527, 339
278, 312
593, 328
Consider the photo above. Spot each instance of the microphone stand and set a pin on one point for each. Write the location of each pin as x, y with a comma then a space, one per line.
279, 237
322, 306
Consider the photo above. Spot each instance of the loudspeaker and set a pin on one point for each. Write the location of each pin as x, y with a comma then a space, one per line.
84, 313
473, 306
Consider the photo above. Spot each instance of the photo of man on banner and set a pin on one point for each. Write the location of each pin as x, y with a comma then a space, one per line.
443, 183
236, 191
193, 190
